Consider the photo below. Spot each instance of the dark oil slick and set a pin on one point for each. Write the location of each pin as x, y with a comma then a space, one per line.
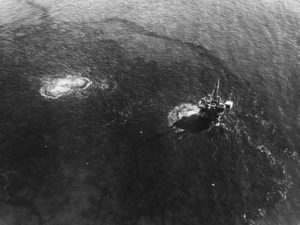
88, 158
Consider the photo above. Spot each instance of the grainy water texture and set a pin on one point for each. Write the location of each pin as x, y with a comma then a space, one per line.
86, 93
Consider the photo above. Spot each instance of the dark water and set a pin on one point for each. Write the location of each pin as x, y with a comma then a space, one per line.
87, 158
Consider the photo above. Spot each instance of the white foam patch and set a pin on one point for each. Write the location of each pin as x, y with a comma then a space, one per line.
57, 87
182, 110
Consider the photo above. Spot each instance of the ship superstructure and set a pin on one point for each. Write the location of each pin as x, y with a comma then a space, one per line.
213, 106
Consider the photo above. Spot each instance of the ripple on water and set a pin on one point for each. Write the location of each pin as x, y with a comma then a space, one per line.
107, 85
54, 88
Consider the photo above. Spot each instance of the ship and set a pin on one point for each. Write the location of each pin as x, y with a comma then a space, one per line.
212, 106
200, 117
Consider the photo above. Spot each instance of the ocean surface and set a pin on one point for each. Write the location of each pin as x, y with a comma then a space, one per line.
103, 155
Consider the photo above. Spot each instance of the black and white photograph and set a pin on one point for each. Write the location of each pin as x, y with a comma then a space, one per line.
149, 112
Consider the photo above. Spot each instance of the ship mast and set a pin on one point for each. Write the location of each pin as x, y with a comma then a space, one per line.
217, 89
214, 96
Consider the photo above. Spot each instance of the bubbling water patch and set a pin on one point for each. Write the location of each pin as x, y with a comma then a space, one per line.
54, 88
180, 111
107, 85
